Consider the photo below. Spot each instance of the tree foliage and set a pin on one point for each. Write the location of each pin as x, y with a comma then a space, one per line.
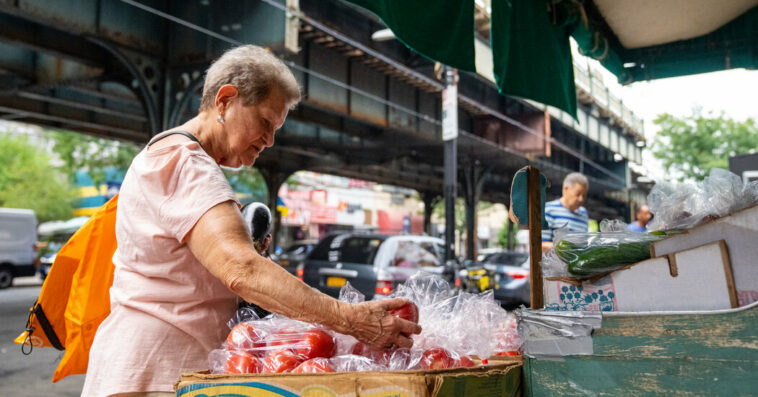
502, 236
83, 152
28, 181
248, 180
691, 146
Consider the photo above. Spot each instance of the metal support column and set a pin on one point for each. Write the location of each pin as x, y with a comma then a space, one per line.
450, 135
430, 200
474, 177
274, 179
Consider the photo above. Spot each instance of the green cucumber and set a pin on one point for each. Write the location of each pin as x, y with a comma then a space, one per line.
589, 260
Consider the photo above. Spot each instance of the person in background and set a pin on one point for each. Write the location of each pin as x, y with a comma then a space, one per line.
567, 212
643, 217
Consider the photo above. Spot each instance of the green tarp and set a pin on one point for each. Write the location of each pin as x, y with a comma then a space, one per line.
532, 56
442, 30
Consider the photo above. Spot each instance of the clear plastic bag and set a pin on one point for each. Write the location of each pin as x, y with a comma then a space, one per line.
223, 361
552, 265
589, 254
281, 343
314, 366
685, 205
354, 363
460, 323
242, 315
455, 326
506, 339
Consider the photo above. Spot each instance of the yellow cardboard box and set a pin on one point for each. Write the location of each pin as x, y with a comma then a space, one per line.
500, 379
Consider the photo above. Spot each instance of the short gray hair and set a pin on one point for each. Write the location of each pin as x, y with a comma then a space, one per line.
253, 70
575, 178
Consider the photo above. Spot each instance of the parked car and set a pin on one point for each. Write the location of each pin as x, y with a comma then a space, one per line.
373, 263
294, 255
511, 276
18, 241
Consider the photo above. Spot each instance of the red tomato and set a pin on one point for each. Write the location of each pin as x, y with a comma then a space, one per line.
281, 361
436, 358
314, 366
243, 363
464, 362
316, 343
378, 356
408, 311
245, 337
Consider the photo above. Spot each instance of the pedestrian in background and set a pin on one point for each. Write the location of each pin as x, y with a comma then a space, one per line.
642, 217
567, 212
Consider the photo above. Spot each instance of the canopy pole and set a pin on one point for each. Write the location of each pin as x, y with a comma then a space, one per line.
535, 237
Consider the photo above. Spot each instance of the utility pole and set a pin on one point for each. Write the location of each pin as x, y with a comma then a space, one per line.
450, 137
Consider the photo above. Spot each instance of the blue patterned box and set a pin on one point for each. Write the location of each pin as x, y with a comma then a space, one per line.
599, 296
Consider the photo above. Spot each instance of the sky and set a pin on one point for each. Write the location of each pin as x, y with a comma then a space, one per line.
733, 92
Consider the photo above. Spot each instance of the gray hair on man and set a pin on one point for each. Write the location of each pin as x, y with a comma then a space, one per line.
575, 178
253, 70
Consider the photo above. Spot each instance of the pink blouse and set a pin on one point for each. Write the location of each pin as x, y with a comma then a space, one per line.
167, 311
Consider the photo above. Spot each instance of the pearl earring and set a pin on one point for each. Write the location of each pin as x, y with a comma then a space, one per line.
220, 119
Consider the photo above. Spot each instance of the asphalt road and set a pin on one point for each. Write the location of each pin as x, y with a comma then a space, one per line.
31, 375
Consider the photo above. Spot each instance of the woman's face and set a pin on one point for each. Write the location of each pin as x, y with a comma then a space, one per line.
250, 129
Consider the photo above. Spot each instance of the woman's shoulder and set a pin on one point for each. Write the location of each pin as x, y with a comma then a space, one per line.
164, 170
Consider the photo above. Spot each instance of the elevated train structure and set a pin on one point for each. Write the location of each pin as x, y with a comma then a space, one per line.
127, 69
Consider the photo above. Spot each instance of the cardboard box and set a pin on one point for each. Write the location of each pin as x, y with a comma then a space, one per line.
495, 380
694, 279
740, 231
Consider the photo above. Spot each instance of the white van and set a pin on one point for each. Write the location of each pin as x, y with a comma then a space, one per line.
18, 238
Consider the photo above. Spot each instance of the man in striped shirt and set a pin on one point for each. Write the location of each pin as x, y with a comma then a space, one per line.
567, 212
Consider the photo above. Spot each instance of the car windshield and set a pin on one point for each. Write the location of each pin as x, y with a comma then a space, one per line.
347, 248
507, 258
416, 254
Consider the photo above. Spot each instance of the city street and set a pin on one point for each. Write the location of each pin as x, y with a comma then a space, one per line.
30, 375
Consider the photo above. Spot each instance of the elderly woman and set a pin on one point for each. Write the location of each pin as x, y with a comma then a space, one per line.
184, 253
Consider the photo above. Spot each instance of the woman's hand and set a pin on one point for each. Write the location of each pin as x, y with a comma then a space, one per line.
372, 324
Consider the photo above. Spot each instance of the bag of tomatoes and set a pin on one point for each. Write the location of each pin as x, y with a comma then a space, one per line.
274, 344
456, 325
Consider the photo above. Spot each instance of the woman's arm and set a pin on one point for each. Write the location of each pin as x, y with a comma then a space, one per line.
222, 244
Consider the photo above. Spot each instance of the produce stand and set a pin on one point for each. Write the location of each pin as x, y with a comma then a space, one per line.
652, 351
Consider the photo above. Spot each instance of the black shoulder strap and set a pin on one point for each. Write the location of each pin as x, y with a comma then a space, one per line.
185, 133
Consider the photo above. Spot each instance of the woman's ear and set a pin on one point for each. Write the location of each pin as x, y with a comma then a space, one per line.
224, 98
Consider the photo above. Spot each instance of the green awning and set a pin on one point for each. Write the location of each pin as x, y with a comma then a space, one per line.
532, 57
441, 30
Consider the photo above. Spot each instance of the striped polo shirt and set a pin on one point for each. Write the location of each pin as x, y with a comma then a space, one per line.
558, 217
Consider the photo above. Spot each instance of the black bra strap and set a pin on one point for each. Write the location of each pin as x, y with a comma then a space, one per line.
185, 133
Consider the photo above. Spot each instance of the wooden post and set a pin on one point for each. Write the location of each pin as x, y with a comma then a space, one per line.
535, 237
